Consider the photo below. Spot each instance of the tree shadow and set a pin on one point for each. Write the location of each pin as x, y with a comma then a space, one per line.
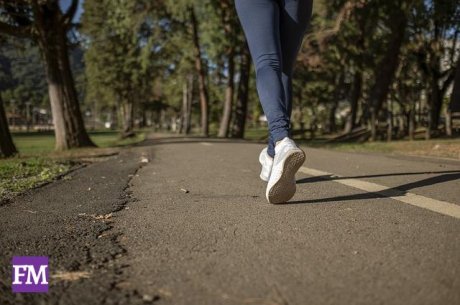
390, 192
333, 177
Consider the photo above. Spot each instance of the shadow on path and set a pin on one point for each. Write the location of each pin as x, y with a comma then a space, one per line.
390, 192
332, 177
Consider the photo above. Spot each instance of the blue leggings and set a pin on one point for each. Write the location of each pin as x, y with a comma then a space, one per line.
274, 30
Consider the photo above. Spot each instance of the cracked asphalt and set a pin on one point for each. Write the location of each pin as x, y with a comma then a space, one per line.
70, 221
192, 226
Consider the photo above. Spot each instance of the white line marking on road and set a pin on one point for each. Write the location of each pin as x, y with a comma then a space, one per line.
431, 204
206, 143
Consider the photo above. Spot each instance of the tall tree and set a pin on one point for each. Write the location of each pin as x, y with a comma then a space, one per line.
204, 101
112, 55
121, 50
387, 67
454, 105
44, 23
186, 111
7, 148
241, 108
230, 28
437, 49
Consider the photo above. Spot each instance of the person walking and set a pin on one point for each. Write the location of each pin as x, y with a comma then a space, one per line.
274, 30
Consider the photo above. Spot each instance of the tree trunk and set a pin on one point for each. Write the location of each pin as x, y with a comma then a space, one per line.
454, 105
227, 114
7, 148
435, 105
186, 105
188, 123
389, 126
448, 123
386, 71
201, 74
243, 91
331, 123
412, 124
52, 41
128, 120
355, 96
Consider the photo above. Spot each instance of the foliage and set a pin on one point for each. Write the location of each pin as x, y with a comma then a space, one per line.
141, 52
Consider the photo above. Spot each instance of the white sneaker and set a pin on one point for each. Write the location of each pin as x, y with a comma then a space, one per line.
267, 162
288, 159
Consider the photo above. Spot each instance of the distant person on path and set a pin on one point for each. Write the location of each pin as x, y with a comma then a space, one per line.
274, 30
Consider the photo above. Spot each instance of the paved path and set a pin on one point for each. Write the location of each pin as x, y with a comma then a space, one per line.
362, 229
221, 243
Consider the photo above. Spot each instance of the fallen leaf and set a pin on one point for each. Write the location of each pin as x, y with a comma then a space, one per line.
106, 216
164, 292
147, 297
103, 235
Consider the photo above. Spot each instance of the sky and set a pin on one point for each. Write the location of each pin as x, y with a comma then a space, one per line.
64, 4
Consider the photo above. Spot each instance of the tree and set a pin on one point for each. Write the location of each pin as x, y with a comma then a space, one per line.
201, 73
437, 49
7, 148
387, 68
241, 108
454, 105
44, 23
230, 26
122, 51
186, 111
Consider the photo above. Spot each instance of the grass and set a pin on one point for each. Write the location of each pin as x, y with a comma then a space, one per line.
38, 163
43, 142
256, 134
19, 175
439, 148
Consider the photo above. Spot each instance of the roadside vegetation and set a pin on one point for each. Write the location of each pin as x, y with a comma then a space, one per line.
39, 164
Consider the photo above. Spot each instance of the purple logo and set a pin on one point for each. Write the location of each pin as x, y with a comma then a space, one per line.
30, 274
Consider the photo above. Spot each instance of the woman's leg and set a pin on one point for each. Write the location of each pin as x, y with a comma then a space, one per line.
294, 19
260, 20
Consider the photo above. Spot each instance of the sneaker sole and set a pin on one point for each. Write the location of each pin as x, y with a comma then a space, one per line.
283, 190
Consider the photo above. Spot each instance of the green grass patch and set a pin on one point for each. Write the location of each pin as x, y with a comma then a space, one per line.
443, 148
38, 162
18, 175
256, 134
370, 147
40, 143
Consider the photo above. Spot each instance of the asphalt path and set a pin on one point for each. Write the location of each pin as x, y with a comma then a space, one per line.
190, 225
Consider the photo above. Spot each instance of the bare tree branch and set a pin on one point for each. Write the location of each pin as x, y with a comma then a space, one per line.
67, 19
